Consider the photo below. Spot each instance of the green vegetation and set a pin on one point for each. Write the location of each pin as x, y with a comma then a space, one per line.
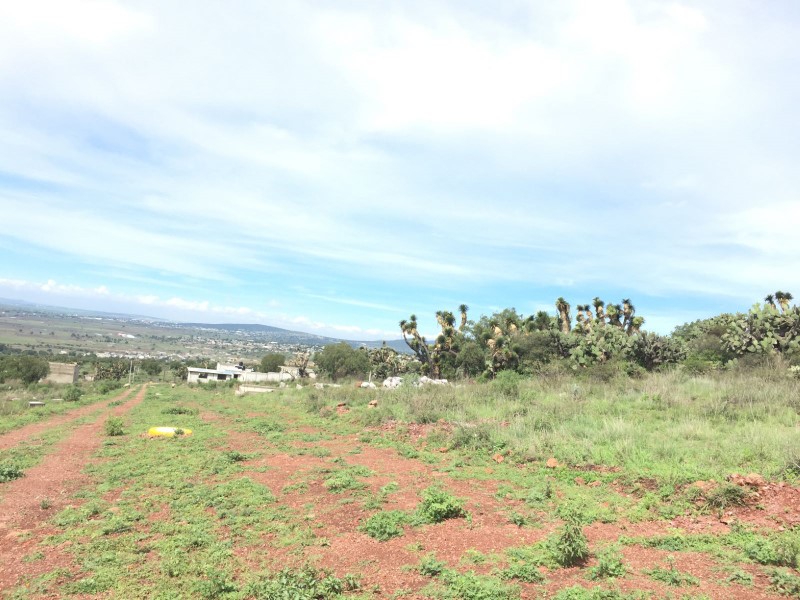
272, 362
114, 426
342, 360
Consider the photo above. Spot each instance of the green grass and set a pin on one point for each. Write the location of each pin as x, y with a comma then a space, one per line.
207, 513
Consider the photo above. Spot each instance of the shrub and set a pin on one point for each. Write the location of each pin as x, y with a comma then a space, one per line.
429, 566
307, 583
72, 393
179, 410
725, 495
785, 583
437, 506
671, 575
108, 385
385, 525
609, 564
113, 426
527, 572
569, 546
9, 471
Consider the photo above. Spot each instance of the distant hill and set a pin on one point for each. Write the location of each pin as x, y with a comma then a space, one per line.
287, 336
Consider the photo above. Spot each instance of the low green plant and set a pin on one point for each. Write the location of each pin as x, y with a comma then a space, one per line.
306, 583
609, 564
429, 566
672, 576
179, 410
726, 495
438, 505
114, 426
9, 471
522, 571
785, 583
385, 525
569, 546
470, 586
72, 393
346, 479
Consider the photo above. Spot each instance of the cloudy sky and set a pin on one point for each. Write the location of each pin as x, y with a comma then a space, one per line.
336, 166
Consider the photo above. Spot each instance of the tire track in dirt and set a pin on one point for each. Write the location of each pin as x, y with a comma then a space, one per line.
15, 436
23, 519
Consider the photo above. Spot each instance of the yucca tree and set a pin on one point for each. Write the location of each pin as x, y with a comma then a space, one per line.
463, 310
417, 343
636, 324
579, 316
614, 313
627, 313
784, 298
565, 321
598, 310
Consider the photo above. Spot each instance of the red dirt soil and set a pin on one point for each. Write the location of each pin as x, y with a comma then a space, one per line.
23, 515
14, 437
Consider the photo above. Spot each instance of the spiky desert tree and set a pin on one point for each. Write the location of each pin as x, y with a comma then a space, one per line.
636, 324
565, 321
598, 310
614, 313
784, 298
628, 309
463, 310
418, 344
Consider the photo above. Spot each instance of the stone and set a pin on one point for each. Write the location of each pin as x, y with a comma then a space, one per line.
551, 463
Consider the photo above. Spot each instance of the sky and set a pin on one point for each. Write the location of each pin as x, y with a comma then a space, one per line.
334, 167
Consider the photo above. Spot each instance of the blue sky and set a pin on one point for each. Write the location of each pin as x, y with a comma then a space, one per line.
335, 167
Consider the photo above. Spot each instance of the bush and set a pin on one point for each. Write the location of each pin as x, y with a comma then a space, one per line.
9, 471
113, 426
385, 525
72, 393
429, 566
179, 410
342, 360
569, 547
306, 583
272, 362
437, 506
609, 564
108, 385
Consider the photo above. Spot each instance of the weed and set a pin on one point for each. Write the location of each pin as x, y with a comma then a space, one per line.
725, 495
307, 583
113, 426
45, 503
522, 571
671, 575
345, 479
235, 456
469, 586
569, 546
429, 566
385, 525
785, 582
438, 505
609, 564
9, 471
517, 519
179, 410
739, 577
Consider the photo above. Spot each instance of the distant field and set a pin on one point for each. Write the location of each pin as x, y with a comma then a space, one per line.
550, 488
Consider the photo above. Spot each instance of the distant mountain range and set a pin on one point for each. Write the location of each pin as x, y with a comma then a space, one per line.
265, 333
287, 336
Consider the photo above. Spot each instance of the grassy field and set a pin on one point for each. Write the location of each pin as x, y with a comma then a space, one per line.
555, 488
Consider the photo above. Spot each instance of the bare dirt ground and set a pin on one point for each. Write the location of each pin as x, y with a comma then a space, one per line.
14, 437
26, 503
478, 543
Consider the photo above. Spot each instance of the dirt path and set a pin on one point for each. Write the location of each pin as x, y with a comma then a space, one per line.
27, 503
15, 436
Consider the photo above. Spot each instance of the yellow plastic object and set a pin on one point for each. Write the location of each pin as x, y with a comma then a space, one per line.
167, 431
